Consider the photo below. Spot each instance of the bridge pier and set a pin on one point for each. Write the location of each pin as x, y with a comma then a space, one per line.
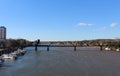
36, 44
101, 46
74, 48
48, 47
36, 47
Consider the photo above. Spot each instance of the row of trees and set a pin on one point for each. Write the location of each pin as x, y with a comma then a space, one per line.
14, 43
112, 43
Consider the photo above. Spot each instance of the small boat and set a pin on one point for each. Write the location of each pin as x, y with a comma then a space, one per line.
107, 48
15, 55
21, 52
9, 56
117, 49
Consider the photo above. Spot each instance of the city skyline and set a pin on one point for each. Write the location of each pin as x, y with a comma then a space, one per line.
61, 20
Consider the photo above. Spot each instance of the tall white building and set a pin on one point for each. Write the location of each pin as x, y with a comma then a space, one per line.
2, 33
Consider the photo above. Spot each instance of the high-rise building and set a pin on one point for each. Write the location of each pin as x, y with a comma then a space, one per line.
2, 33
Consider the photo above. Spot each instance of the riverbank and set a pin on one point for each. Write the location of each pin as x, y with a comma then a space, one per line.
7, 51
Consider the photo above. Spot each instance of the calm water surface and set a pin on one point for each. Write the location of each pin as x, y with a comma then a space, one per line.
63, 61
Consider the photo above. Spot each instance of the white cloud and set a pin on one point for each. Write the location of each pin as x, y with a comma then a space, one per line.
85, 24
90, 24
82, 24
104, 28
113, 25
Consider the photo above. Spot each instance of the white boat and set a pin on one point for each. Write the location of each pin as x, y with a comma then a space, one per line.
117, 49
14, 54
107, 48
20, 52
9, 56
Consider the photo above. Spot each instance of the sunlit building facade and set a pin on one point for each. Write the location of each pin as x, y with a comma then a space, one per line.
2, 33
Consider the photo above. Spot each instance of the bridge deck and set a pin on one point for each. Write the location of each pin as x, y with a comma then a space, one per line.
55, 46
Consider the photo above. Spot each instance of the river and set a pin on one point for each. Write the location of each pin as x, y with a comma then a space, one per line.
63, 61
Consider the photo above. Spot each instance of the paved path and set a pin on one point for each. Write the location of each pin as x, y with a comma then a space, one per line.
64, 62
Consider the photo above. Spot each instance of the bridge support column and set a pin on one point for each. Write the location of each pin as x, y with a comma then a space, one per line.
36, 44
47, 47
74, 48
101, 46
36, 47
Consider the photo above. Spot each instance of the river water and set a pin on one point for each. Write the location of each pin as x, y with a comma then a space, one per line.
63, 61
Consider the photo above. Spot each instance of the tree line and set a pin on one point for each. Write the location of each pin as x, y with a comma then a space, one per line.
14, 43
111, 43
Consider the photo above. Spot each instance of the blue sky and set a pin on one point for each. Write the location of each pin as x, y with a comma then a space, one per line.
61, 19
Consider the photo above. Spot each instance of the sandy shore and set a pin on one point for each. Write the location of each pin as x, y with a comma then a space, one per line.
64, 62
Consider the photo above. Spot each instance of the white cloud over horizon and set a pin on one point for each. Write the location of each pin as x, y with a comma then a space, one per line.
104, 28
113, 25
85, 24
